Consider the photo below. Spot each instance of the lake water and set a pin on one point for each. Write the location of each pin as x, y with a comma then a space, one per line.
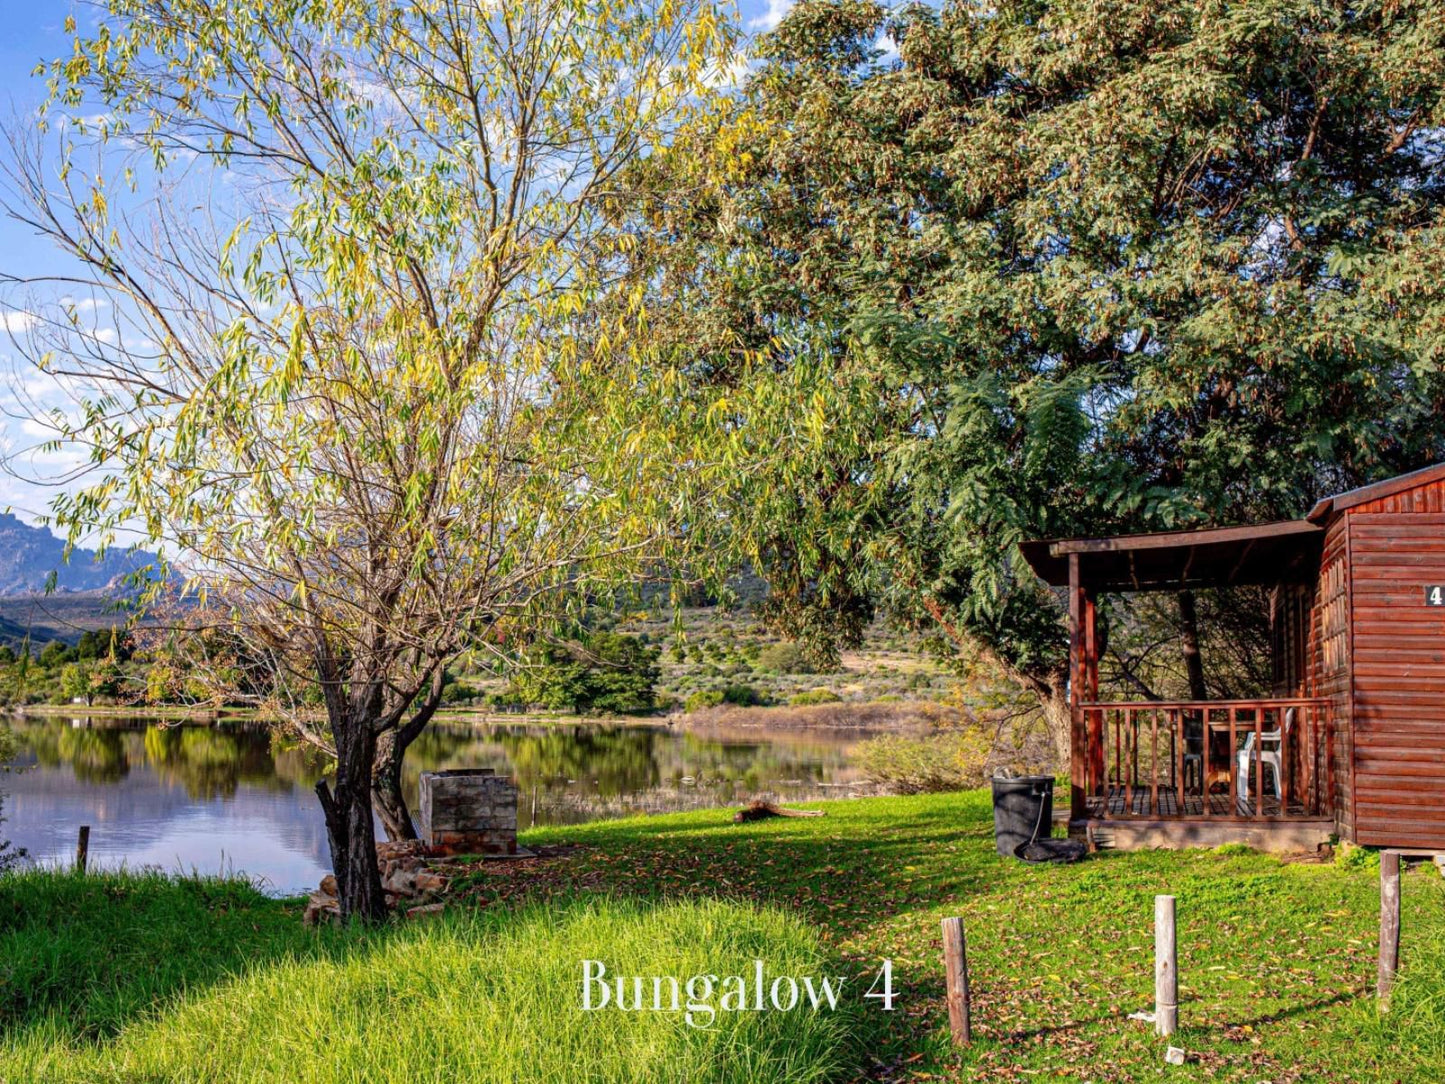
235, 797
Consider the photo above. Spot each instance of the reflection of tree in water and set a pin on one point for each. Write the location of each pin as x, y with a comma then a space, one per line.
620, 760
565, 772
296, 766
210, 762
40, 740
95, 756
623, 760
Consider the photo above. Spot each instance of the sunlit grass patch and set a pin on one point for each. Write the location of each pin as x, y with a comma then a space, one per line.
489, 995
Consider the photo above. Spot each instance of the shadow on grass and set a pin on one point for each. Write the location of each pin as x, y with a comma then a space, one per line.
1344, 997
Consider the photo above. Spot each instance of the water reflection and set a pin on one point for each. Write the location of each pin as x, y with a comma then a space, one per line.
238, 796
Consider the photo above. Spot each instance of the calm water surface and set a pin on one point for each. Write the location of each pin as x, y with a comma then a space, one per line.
234, 797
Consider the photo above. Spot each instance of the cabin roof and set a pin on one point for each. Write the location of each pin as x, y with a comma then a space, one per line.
1341, 502
1267, 553
1172, 560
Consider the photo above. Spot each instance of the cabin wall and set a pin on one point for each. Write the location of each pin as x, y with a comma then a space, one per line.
1396, 549
1326, 657
1289, 624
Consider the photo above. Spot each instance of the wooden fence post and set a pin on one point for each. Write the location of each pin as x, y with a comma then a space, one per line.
1166, 967
955, 966
1389, 926
82, 848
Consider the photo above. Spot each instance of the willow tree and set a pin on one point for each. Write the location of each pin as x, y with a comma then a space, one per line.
1054, 268
326, 331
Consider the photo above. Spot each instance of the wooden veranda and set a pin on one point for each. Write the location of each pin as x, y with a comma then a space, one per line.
1352, 739
1140, 768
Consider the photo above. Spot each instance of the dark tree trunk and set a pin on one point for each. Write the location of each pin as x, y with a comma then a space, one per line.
391, 749
386, 795
1189, 635
349, 826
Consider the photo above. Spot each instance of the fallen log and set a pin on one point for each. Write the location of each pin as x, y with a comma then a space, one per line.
760, 810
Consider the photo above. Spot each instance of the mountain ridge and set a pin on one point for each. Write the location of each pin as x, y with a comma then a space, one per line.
30, 555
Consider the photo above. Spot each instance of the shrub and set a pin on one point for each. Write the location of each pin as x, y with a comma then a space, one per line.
1352, 856
608, 672
9, 856
743, 696
455, 692
703, 698
1233, 849
950, 760
814, 696
785, 659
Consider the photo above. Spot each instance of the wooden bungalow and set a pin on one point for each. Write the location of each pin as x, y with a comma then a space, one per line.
1352, 739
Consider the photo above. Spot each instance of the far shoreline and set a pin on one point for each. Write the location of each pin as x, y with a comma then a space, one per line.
900, 717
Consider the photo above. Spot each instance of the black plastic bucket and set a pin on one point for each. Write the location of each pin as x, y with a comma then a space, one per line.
1021, 808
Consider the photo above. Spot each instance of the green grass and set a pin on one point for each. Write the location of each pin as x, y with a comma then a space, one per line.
1277, 959
106, 988
148, 979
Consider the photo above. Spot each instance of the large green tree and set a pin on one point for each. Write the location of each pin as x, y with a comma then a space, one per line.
326, 328
1057, 267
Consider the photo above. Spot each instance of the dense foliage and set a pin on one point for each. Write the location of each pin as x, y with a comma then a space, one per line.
1055, 268
605, 672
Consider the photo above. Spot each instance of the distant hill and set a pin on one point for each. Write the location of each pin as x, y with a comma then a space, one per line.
12, 633
62, 615
86, 593
28, 555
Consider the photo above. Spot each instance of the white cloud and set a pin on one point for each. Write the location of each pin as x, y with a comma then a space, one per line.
16, 322
84, 304
770, 18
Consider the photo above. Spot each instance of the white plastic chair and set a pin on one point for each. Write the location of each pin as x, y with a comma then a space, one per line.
1271, 746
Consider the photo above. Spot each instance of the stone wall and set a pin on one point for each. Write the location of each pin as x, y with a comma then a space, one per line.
469, 811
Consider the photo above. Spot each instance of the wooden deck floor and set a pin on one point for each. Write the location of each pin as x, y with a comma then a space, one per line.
1119, 802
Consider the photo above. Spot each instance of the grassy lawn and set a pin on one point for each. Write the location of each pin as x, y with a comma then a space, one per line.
144, 979
1277, 959
150, 979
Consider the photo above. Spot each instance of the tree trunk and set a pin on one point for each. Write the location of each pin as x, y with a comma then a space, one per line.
349, 825
1189, 635
1054, 699
1051, 687
391, 750
386, 795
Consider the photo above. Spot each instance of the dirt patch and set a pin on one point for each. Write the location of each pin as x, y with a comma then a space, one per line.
553, 870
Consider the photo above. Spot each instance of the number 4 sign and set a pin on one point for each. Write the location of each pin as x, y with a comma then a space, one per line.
1435, 595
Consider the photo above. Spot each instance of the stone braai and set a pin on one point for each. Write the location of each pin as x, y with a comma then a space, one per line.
469, 811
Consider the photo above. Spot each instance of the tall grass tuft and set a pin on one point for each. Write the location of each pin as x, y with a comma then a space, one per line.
489, 995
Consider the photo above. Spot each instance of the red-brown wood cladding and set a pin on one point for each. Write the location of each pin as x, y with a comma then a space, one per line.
1396, 547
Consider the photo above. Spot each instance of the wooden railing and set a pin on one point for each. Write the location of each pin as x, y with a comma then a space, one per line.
1230, 759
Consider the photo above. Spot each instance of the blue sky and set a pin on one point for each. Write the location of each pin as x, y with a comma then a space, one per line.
34, 32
